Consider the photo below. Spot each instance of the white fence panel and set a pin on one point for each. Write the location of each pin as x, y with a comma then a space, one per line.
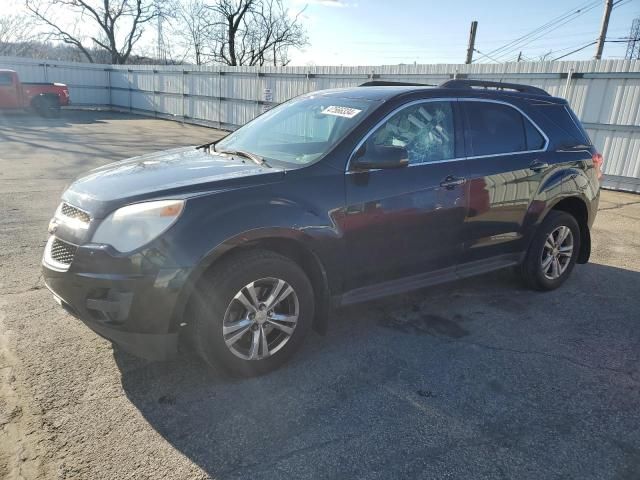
120, 98
604, 94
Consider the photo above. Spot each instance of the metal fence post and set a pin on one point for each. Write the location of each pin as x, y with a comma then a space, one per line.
155, 101
220, 99
257, 94
109, 87
184, 73
568, 84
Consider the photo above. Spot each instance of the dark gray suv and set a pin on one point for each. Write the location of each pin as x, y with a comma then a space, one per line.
334, 197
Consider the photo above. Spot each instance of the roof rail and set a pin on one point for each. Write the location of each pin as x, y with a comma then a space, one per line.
498, 85
385, 83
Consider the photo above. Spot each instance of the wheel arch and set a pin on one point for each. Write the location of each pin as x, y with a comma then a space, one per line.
288, 243
46, 104
577, 208
44, 96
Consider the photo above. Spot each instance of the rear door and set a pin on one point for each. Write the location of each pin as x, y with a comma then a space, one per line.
406, 221
506, 162
8, 91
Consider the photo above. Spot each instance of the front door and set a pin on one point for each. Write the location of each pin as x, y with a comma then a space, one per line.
406, 221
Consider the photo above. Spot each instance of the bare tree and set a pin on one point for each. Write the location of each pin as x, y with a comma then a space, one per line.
16, 35
120, 23
193, 25
253, 32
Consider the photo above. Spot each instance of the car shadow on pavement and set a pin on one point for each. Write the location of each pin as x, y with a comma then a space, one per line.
431, 381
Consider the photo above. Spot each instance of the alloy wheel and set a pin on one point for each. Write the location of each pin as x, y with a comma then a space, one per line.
557, 252
261, 318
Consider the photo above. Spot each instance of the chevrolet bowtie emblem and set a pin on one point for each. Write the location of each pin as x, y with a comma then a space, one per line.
53, 226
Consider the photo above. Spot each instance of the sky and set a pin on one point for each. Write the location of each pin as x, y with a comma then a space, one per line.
379, 32
389, 32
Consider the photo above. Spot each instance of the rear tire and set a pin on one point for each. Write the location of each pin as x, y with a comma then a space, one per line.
552, 253
252, 312
54, 110
47, 107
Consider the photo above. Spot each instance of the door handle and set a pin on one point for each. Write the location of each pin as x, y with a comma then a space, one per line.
451, 182
538, 166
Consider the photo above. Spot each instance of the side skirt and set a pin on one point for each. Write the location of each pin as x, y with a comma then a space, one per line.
414, 282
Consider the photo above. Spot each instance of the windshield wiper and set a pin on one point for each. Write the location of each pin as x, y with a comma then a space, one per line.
207, 146
251, 156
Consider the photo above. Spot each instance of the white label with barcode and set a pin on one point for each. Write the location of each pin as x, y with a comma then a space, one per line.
346, 112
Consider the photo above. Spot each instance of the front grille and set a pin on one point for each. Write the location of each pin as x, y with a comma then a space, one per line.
74, 212
62, 252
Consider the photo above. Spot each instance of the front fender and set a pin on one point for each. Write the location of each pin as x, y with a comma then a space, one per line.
224, 224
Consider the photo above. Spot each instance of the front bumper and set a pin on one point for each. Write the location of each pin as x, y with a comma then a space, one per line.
135, 310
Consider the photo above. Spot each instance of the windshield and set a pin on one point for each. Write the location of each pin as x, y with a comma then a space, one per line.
299, 131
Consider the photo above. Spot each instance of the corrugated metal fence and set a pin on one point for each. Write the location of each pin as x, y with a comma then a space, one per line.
604, 94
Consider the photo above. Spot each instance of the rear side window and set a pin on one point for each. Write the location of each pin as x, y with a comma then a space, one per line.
6, 79
569, 129
495, 128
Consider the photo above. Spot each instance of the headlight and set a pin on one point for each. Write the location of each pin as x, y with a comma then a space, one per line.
133, 226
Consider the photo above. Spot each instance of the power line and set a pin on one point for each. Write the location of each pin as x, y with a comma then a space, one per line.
544, 27
575, 51
485, 55
550, 26
554, 27
512, 47
587, 45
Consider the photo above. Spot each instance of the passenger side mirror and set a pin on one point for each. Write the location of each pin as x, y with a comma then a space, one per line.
380, 156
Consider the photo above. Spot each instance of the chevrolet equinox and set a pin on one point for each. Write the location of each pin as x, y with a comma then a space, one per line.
334, 197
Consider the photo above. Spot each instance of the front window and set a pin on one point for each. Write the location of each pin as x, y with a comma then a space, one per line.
299, 131
426, 130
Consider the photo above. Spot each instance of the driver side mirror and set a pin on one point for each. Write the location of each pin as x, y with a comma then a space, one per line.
380, 156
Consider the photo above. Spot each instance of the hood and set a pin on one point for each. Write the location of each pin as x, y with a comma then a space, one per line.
172, 172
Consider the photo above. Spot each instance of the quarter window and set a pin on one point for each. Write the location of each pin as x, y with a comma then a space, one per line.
426, 130
495, 128
535, 141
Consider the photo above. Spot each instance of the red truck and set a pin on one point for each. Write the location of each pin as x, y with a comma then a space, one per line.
44, 98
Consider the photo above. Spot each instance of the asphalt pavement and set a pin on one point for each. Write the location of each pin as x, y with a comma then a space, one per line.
477, 379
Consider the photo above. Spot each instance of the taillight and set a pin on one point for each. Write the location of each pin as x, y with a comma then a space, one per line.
597, 164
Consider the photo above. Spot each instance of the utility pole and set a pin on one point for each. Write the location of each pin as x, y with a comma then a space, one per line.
603, 29
472, 41
520, 56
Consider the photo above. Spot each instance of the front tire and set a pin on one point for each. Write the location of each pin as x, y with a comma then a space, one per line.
252, 312
552, 253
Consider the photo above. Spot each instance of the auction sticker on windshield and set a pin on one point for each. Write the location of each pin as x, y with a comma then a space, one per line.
346, 112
